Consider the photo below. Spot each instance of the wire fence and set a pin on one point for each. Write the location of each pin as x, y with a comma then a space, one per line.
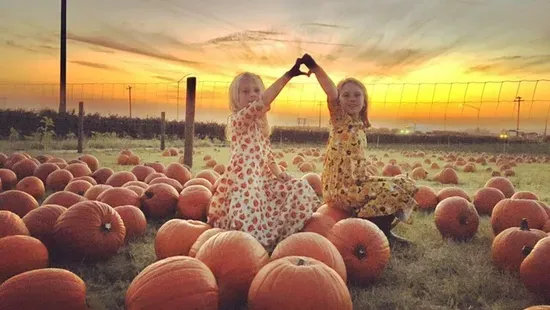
490, 105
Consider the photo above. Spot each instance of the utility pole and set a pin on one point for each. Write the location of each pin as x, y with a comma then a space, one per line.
129, 88
63, 60
320, 104
518, 100
178, 98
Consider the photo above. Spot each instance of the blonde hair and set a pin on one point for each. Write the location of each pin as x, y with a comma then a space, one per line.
234, 99
364, 113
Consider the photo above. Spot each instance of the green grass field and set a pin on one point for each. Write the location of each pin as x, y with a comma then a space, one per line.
433, 274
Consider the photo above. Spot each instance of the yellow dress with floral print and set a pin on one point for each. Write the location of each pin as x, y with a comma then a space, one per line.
346, 181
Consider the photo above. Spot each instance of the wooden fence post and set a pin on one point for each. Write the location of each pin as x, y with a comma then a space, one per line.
162, 129
189, 121
80, 126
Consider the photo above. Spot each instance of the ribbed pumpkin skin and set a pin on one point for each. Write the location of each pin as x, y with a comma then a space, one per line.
12, 224
17, 202
534, 269
296, 282
41, 221
89, 229
312, 245
44, 289
21, 253
134, 221
509, 213
190, 281
233, 275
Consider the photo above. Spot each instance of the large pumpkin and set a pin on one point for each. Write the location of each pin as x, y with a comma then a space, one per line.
91, 161
47, 288
65, 199
178, 172
507, 246
456, 218
509, 213
79, 187
176, 237
336, 214
11, 224
296, 282
78, 170
57, 180
43, 171
24, 168
203, 238
17, 202
452, 191
193, 202
89, 229
141, 172
93, 192
319, 223
19, 254
32, 186
174, 283
486, 198
9, 179
41, 221
119, 178
233, 275
534, 270
134, 221
159, 200
364, 248
311, 245
426, 198
101, 175
119, 196
503, 184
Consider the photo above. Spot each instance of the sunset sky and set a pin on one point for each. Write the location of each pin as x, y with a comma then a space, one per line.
391, 41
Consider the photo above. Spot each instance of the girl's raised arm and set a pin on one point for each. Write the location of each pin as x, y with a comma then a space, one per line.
324, 80
273, 91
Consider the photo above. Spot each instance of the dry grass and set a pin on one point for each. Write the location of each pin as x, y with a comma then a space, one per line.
433, 274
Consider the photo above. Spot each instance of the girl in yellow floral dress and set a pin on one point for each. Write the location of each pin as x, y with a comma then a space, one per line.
346, 182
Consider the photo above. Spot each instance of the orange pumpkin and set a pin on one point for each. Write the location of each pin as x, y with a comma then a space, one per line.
119, 196
486, 198
176, 237
79, 170
166, 180
136, 183
199, 181
287, 283
46, 288
41, 221
24, 168
134, 221
79, 187
141, 172
447, 176
58, 179
17, 202
178, 172
312, 245
19, 254
426, 198
93, 192
153, 176
89, 229
509, 213
159, 167
32, 186
233, 275
120, 178
11, 224
9, 179
506, 247
314, 180
335, 213
101, 175
196, 288
452, 192
159, 200
91, 161
209, 175
503, 184
525, 195
364, 248
456, 218
202, 239
65, 199
193, 202
43, 171
319, 223
532, 270
391, 170
86, 178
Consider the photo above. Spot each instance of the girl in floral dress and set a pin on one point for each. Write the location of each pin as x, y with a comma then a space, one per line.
346, 182
254, 195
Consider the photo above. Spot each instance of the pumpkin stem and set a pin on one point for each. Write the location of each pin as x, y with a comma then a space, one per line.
463, 220
149, 194
106, 227
301, 262
360, 251
526, 250
524, 225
